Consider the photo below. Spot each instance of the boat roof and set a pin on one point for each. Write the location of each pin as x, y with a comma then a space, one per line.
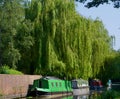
50, 78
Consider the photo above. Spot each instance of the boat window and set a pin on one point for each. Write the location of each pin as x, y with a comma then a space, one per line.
56, 84
40, 84
52, 84
60, 84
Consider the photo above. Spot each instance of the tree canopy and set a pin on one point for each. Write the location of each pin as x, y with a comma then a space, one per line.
66, 45
96, 3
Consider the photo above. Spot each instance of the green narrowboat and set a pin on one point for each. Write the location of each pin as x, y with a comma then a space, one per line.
50, 85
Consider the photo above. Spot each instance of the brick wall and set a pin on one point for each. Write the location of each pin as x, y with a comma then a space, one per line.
16, 84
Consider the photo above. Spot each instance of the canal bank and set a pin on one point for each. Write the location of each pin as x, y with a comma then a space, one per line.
12, 86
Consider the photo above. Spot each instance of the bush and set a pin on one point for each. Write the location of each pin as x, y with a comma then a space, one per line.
6, 70
110, 94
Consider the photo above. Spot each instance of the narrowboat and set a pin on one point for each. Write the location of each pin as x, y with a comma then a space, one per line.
96, 84
80, 87
50, 85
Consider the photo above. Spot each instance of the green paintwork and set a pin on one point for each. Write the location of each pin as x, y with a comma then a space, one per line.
52, 85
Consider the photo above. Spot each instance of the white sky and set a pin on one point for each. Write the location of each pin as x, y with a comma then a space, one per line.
109, 16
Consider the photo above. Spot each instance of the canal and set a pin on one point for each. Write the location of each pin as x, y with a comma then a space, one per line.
68, 97
65, 97
111, 94
90, 96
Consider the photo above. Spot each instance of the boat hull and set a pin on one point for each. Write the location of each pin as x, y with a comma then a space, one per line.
41, 93
81, 91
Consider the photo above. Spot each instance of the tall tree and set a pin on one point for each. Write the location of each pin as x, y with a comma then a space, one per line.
24, 42
66, 44
9, 22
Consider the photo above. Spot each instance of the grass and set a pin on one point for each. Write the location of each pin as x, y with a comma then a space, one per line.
6, 70
1, 93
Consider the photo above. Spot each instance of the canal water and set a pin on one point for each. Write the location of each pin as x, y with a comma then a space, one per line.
96, 95
68, 97
90, 96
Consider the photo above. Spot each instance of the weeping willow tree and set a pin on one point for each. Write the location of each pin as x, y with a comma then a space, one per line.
66, 44
101, 47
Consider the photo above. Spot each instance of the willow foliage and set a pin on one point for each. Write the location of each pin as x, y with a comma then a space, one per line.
66, 44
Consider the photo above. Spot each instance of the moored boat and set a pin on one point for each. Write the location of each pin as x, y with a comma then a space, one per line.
96, 84
80, 87
50, 85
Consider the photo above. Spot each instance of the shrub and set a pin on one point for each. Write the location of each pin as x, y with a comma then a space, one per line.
6, 70
110, 94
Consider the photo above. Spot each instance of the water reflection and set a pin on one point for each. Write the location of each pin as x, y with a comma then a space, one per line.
65, 97
92, 95
81, 97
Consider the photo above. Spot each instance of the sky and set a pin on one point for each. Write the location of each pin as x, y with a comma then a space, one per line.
108, 15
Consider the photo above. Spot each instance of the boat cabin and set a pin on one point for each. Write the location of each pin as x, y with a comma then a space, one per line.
51, 84
77, 83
